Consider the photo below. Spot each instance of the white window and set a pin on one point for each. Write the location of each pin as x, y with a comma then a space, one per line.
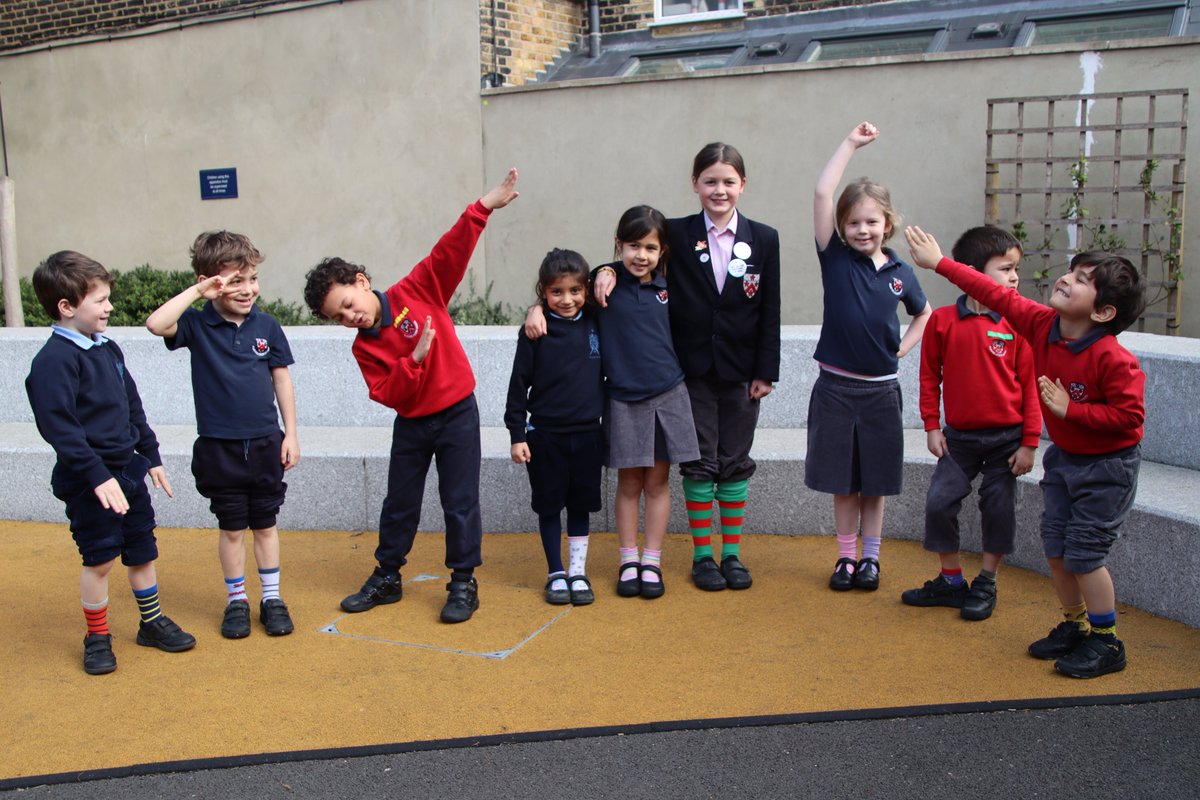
671, 11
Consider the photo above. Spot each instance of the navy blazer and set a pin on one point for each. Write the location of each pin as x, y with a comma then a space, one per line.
734, 333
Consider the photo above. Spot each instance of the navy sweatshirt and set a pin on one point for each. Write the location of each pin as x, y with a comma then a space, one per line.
87, 407
556, 379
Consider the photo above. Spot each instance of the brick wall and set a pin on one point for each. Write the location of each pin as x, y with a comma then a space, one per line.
520, 38
32, 22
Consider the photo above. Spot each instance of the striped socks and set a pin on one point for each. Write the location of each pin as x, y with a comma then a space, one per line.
269, 578
699, 500
731, 498
1104, 628
235, 589
96, 615
147, 603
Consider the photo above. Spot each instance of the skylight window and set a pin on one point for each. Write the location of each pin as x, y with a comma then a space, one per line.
680, 62
872, 46
1135, 25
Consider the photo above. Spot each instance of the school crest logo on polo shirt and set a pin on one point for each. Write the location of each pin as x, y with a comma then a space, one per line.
662, 296
897, 286
407, 327
750, 284
261, 347
1077, 392
997, 347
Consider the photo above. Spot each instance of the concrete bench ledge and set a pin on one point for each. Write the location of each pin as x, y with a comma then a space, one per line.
342, 478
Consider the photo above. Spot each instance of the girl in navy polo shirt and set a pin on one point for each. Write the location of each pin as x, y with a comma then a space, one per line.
649, 419
855, 432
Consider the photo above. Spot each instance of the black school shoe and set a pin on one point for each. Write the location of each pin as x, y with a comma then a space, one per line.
707, 575
866, 575
165, 635
98, 658
1061, 641
937, 592
274, 616
633, 586
1092, 658
735, 572
379, 589
236, 623
462, 601
842, 579
980, 600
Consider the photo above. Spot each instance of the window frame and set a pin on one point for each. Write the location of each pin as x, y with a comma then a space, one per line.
699, 16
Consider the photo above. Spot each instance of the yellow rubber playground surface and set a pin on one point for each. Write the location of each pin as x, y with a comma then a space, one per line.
395, 678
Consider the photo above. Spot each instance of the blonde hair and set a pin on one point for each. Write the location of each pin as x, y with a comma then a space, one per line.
867, 189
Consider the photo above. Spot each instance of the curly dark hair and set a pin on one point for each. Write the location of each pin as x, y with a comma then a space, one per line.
321, 278
1118, 284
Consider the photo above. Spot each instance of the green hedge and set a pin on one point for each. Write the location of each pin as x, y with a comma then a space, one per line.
137, 292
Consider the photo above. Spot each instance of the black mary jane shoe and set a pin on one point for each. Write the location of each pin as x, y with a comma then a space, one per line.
866, 576
842, 579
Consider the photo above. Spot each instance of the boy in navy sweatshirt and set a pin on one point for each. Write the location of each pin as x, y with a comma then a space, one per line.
87, 407
1092, 394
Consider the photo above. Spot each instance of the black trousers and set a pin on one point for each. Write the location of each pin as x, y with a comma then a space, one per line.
450, 438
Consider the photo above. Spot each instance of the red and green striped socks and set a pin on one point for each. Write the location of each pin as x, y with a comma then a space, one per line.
699, 498
731, 499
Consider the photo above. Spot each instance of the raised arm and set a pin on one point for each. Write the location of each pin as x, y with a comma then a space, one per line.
824, 223
165, 319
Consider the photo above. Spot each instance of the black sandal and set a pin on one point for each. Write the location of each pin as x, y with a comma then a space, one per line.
652, 590
633, 586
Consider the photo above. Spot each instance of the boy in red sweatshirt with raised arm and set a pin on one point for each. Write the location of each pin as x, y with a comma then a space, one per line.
431, 388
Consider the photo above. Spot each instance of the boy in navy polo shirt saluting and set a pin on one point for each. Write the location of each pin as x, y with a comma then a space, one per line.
87, 407
431, 388
240, 360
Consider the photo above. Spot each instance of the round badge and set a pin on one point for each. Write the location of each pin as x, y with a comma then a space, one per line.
704, 258
741, 250
737, 268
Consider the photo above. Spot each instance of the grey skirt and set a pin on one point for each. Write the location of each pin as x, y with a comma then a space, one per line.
657, 428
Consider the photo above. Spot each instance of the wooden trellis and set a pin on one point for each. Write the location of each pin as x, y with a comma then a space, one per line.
1094, 172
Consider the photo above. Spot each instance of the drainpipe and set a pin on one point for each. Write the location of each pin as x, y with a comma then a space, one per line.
594, 29
13, 314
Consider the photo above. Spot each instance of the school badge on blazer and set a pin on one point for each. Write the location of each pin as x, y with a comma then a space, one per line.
750, 284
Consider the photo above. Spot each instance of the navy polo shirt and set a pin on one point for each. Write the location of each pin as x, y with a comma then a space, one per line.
231, 371
860, 331
635, 339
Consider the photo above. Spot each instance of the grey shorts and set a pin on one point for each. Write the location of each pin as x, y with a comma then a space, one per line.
969, 453
659, 428
855, 436
1086, 498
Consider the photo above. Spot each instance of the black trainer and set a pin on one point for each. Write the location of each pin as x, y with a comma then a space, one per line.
165, 635
236, 624
980, 601
707, 575
1065, 637
462, 600
735, 572
1092, 659
937, 592
274, 616
378, 590
98, 658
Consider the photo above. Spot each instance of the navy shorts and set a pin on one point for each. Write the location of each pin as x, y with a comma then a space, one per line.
242, 479
855, 436
1086, 498
564, 470
102, 534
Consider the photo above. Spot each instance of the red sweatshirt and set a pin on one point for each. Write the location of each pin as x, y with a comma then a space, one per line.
1105, 383
385, 354
983, 370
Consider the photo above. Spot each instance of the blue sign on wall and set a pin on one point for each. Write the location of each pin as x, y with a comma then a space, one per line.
218, 184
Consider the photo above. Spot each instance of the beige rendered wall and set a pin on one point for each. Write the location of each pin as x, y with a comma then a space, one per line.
354, 128
592, 149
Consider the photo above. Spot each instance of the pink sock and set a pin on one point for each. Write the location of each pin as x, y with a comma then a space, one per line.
848, 546
629, 555
650, 558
